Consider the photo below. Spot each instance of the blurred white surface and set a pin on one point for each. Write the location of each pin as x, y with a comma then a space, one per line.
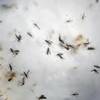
49, 75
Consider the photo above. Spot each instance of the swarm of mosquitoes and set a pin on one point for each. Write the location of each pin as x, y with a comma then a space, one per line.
11, 74
79, 41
